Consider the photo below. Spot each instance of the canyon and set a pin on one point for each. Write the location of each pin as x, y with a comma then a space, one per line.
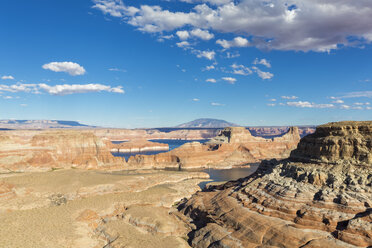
64, 188
321, 196
234, 146
42, 150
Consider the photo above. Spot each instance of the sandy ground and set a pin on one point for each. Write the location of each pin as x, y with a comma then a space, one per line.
75, 208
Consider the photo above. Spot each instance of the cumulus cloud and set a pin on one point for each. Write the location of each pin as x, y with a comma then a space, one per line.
64, 89
71, 68
211, 80
67, 89
209, 67
317, 25
202, 34
305, 104
9, 77
183, 35
183, 44
241, 70
230, 80
236, 42
339, 101
205, 54
262, 74
262, 62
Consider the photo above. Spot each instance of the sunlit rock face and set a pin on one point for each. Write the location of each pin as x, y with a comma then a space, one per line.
334, 142
234, 146
320, 197
54, 149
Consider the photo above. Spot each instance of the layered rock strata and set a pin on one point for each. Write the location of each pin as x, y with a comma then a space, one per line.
234, 146
135, 146
55, 149
320, 197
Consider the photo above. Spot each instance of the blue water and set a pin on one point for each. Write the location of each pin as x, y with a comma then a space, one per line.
173, 144
228, 174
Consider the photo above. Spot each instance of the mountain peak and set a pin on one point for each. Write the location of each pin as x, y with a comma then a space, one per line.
207, 123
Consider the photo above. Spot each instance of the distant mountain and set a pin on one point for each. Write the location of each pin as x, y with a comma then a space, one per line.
207, 123
40, 124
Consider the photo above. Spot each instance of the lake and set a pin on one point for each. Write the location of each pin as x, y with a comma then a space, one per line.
228, 174
173, 144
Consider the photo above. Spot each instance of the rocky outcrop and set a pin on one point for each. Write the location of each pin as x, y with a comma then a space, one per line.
324, 200
55, 149
334, 142
136, 146
234, 146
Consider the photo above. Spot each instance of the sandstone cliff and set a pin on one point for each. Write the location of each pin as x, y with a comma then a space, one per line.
289, 203
139, 145
55, 149
234, 146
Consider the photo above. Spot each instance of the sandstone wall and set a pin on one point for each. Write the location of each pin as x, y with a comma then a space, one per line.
289, 203
334, 142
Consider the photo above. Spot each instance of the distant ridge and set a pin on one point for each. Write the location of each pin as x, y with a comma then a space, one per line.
40, 124
207, 123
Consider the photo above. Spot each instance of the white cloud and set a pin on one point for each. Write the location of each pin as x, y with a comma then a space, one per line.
8, 97
289, 97
271, 104
117, 69
358, 94
272, 100
183, 44
71, 68
232, 55
196, 99
183, 35
205, 54
67, 89
301, 104
317, 25
236, 42
64, 89
211, 80
230, 80
344, 106
339, 101
263, 75
9, 77
209, 67
241, 70
23, 105
262, 62
217, 104
202, 34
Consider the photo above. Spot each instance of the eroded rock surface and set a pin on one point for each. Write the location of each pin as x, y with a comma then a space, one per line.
324, 200
37, 151
80, 208
234, 146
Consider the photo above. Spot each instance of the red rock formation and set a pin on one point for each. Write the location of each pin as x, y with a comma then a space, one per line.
137, 146
294, 204
234, 146
56, 149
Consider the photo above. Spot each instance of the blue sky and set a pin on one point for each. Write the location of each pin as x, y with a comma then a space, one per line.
160, 63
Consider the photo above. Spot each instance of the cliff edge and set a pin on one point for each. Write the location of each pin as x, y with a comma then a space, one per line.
320, 197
